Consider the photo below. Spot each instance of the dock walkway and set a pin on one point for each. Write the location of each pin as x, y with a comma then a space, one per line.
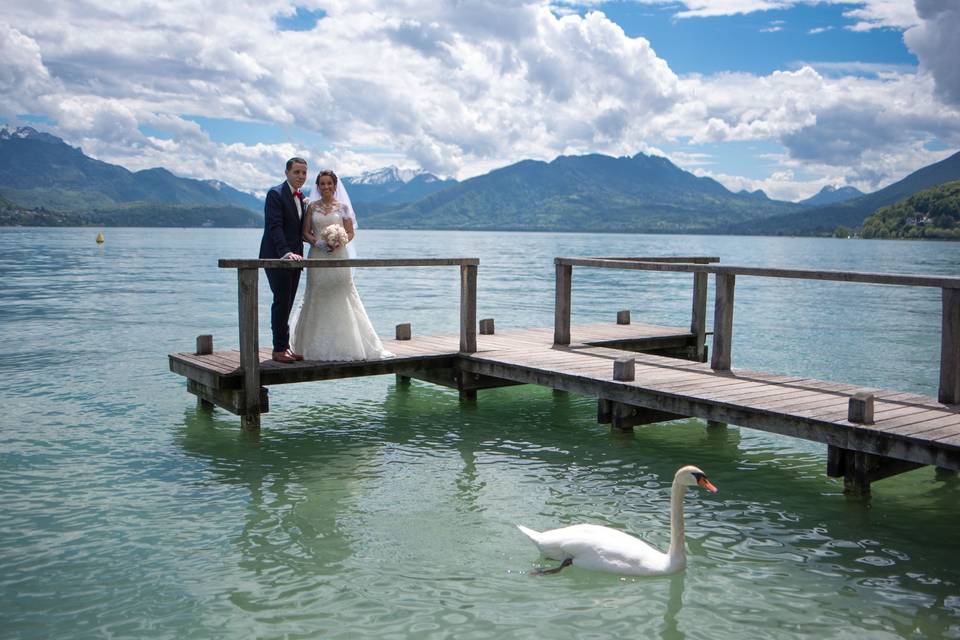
639, 373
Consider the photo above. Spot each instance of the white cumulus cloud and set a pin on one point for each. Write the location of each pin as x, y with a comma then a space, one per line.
456, 88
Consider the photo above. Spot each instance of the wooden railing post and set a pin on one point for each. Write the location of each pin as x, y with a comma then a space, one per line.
950, 348
468, 308
698, 315
249, 348
561, 311
723, 322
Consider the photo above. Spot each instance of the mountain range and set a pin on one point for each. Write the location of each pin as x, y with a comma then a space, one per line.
851, 213
41, 172
47, 181
587, 193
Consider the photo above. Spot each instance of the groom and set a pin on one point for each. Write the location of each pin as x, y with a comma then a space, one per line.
283, 238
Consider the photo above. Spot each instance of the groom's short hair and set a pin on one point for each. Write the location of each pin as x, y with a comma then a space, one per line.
293, 161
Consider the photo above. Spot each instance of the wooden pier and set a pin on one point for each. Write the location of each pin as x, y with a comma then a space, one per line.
639, 373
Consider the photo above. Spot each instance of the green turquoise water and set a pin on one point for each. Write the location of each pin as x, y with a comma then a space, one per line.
368, 510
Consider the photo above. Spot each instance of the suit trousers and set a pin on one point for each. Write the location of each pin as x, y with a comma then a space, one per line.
283, 284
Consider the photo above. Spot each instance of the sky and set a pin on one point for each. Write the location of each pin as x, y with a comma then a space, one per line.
787, 96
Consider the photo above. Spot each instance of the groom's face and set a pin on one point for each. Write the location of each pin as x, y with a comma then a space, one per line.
297, 175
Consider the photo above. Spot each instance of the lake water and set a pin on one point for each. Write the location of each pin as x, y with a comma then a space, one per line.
367, 510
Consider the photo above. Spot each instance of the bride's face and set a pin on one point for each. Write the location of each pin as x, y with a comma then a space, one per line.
327, 187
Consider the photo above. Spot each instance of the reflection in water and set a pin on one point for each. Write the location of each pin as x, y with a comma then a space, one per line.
299, 484
670, 629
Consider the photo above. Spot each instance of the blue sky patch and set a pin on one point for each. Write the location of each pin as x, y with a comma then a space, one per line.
301, 20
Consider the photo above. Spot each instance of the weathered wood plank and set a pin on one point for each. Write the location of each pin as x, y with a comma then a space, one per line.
231, 263
230, 399
914, 280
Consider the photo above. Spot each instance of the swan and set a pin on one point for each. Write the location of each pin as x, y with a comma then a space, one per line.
591, 546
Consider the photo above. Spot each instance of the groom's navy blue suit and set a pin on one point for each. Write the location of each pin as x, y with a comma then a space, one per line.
282, 234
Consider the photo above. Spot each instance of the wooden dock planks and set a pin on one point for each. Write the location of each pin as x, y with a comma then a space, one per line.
907, 426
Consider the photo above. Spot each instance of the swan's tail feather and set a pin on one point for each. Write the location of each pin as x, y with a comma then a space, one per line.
530, 533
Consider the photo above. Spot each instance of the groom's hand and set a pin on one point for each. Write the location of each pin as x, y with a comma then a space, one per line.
290, 255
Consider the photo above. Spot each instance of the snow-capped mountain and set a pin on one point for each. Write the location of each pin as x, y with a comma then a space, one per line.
26, 133
387, 175
392, 185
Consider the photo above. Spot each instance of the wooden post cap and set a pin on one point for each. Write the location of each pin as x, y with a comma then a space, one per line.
204, 345
624, 368
860, 409
486, 327
404, 331
623, 317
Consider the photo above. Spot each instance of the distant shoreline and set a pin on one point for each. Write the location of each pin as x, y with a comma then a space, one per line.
594, 232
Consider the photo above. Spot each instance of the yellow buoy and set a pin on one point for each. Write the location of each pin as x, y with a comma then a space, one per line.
100, 238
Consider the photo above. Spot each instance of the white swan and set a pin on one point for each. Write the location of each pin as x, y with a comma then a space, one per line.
591, 546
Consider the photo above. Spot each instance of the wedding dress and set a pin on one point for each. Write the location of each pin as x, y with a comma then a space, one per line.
331, 323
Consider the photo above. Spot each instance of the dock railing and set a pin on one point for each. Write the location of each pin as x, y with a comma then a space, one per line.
562, 308
248, 287
720, 357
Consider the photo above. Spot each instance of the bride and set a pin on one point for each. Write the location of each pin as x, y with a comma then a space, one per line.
331, 323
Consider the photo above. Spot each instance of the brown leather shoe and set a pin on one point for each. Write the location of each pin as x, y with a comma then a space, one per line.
295, 356
282, 356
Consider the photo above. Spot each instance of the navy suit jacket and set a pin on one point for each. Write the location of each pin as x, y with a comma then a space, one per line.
282, 227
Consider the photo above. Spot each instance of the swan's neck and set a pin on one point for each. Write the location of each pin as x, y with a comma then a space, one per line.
677, 550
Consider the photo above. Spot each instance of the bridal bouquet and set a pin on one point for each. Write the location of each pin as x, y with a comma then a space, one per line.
335, 236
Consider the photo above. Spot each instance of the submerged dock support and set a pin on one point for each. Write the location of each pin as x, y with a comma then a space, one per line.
624, 417
859, 469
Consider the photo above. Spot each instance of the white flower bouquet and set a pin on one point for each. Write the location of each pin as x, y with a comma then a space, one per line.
335, 236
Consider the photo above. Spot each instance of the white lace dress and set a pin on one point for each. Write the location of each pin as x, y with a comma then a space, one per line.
331, 323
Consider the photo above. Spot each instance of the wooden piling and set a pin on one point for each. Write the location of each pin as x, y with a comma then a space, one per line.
723, 322
860, 408
249, 348
949, 392
698, 316
204, 345
624, 368
204, 348
561, 309
486, 327
468, 308
623, 317
404, 331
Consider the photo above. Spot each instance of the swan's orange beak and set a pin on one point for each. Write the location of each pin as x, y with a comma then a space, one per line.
706, 484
